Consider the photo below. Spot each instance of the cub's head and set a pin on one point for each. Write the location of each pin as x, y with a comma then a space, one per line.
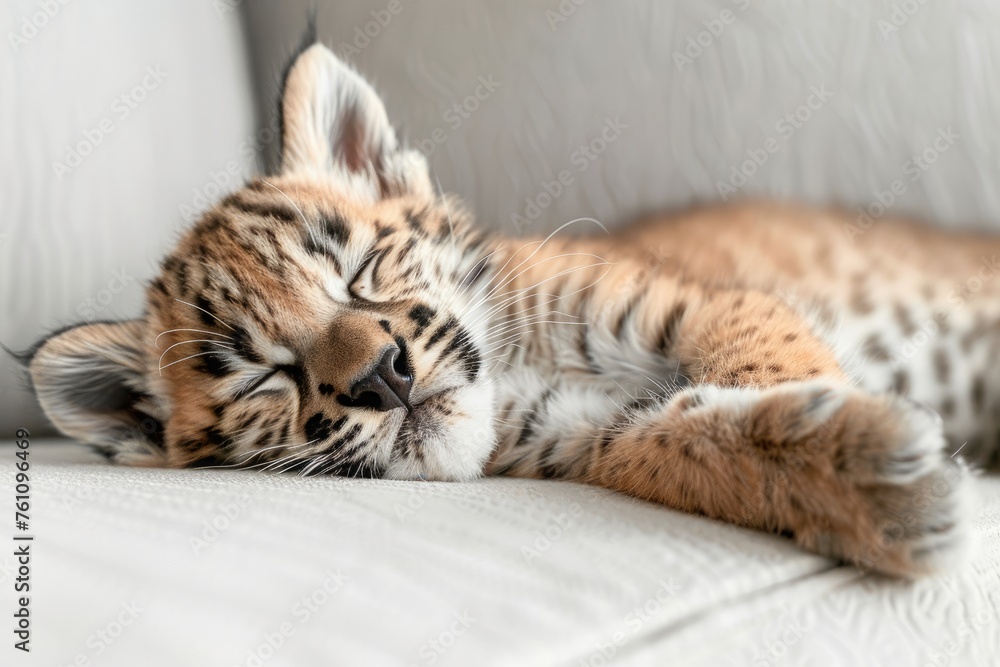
325, 320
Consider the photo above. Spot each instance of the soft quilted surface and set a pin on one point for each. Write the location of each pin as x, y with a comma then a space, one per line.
499, 572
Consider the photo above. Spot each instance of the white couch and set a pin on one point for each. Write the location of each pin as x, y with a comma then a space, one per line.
501, 571
217, 567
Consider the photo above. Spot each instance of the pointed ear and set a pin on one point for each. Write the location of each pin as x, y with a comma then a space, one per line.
333, 123
92, 382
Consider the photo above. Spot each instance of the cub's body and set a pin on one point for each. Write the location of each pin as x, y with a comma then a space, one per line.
774, 367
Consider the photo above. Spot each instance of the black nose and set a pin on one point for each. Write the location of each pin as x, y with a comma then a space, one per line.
386, 386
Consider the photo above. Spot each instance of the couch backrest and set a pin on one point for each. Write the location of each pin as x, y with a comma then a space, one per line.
118, 118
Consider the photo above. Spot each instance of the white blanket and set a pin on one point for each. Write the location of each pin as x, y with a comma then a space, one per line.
127, 569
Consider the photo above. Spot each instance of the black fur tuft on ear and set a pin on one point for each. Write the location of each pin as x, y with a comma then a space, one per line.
23, 358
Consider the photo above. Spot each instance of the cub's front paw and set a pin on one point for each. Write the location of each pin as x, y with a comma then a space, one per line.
870, 483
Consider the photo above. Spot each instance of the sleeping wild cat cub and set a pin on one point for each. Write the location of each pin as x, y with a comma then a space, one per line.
758, 364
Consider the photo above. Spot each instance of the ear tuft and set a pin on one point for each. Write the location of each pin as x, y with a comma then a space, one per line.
334, 124
91, 380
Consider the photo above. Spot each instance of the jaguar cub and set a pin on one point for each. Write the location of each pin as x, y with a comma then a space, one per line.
770, 366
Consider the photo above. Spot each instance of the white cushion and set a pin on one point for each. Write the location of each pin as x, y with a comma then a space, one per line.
543, 573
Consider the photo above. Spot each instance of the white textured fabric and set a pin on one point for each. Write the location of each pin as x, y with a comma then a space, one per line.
454, 574
146, 106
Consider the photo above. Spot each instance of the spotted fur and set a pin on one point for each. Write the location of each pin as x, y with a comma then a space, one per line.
775, 367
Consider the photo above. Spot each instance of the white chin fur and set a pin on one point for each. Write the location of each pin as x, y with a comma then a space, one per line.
460, 451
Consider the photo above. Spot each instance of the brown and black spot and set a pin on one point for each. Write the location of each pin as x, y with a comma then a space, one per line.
861, 301
947, 407
583, 348
441, 332
211, 362
262, 207
534, 416
901, 382
547, 466
671, 327
688, 401
942, 317
423, 315
465, 350
904, 319
942, 365
335, 228
416, 220
623, 316
319, 427
978, 394
874, 349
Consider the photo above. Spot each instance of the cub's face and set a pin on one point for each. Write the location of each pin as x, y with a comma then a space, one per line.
330, 319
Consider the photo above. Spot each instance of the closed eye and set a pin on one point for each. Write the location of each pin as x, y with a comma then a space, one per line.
362, 286
278, 379
253, 384
274, 380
